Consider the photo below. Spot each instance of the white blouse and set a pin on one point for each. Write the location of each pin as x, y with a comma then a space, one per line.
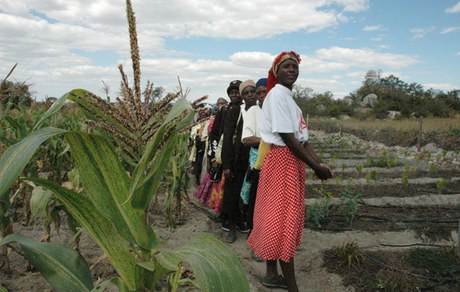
280, 114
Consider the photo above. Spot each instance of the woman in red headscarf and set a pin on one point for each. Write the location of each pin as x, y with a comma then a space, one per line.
280, 202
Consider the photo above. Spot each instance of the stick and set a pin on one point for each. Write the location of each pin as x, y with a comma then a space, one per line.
11, 71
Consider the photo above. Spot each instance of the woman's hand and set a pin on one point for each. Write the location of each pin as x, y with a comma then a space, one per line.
323, 171
329, 167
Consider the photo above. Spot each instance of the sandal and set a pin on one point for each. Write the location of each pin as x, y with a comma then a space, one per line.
278, 282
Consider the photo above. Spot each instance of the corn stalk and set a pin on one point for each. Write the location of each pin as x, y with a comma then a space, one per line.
113, 212
114, 208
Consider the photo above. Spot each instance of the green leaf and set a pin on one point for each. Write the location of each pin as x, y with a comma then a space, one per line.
115, 281
139, 172
39, 202
62, 267
185, 121
214, 265
81, 97
179, 107
142, 185
16, 157
101, 230
15, 125
148, 188
55, 107
107, 185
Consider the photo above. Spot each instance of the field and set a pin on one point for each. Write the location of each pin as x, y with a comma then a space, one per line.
429, 124
388, 221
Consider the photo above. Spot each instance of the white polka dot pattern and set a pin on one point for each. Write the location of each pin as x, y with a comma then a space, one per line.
280, 206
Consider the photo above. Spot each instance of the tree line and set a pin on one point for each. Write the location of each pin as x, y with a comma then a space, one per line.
378, 96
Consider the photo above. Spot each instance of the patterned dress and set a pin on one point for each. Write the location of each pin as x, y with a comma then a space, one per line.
280, 206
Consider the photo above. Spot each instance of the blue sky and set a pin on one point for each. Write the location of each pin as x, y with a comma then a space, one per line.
61, 45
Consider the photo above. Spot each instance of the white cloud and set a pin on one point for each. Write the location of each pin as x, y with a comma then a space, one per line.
373, 28
46, 44
378, 38
353, 5
184, 18
450, 29
365, 58
454, 9
420, 32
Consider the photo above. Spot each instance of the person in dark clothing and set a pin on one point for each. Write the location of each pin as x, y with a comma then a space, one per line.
215, 140
215, 136
235, 157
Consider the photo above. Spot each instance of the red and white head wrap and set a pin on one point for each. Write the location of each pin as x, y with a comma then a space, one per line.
272, 78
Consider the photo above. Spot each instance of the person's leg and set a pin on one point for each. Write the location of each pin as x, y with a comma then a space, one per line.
272, 279
289, 275
252, 197
231, 236
272, 269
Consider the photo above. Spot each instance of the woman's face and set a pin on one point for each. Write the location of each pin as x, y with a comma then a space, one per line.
249, 95
287, 74
261, 91
221, 102
234, 96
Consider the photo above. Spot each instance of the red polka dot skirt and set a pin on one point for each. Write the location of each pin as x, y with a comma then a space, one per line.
280, 206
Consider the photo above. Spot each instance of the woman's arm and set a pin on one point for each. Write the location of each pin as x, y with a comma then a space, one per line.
251, 141
308, 155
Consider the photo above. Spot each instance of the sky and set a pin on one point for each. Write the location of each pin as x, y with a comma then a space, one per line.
61, 45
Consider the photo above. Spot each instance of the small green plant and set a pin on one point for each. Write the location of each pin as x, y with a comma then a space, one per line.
348, 253
439, 262
359, 168
349, 204
319, 210
432, 167
405, 178
337, 179
441, 184
385, 161
372, 175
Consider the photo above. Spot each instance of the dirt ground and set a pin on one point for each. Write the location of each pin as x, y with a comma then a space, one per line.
312, 274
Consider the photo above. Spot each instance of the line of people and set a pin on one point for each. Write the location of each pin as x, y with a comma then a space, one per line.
260, 148
231, 139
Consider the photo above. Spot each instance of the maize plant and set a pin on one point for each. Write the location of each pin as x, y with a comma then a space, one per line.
113, 206
179, 179
113, 212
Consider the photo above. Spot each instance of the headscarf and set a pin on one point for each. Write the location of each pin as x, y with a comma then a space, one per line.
272, 78
261, 82
245, 84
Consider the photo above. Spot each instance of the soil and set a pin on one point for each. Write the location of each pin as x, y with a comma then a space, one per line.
391, 221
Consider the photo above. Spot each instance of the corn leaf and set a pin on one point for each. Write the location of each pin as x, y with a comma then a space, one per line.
107, 185
81, 98
214, 265
179, 107
55, 107
143, 187
62, 267
148, 188
101, 230
115, 281
39, 202
16, 157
